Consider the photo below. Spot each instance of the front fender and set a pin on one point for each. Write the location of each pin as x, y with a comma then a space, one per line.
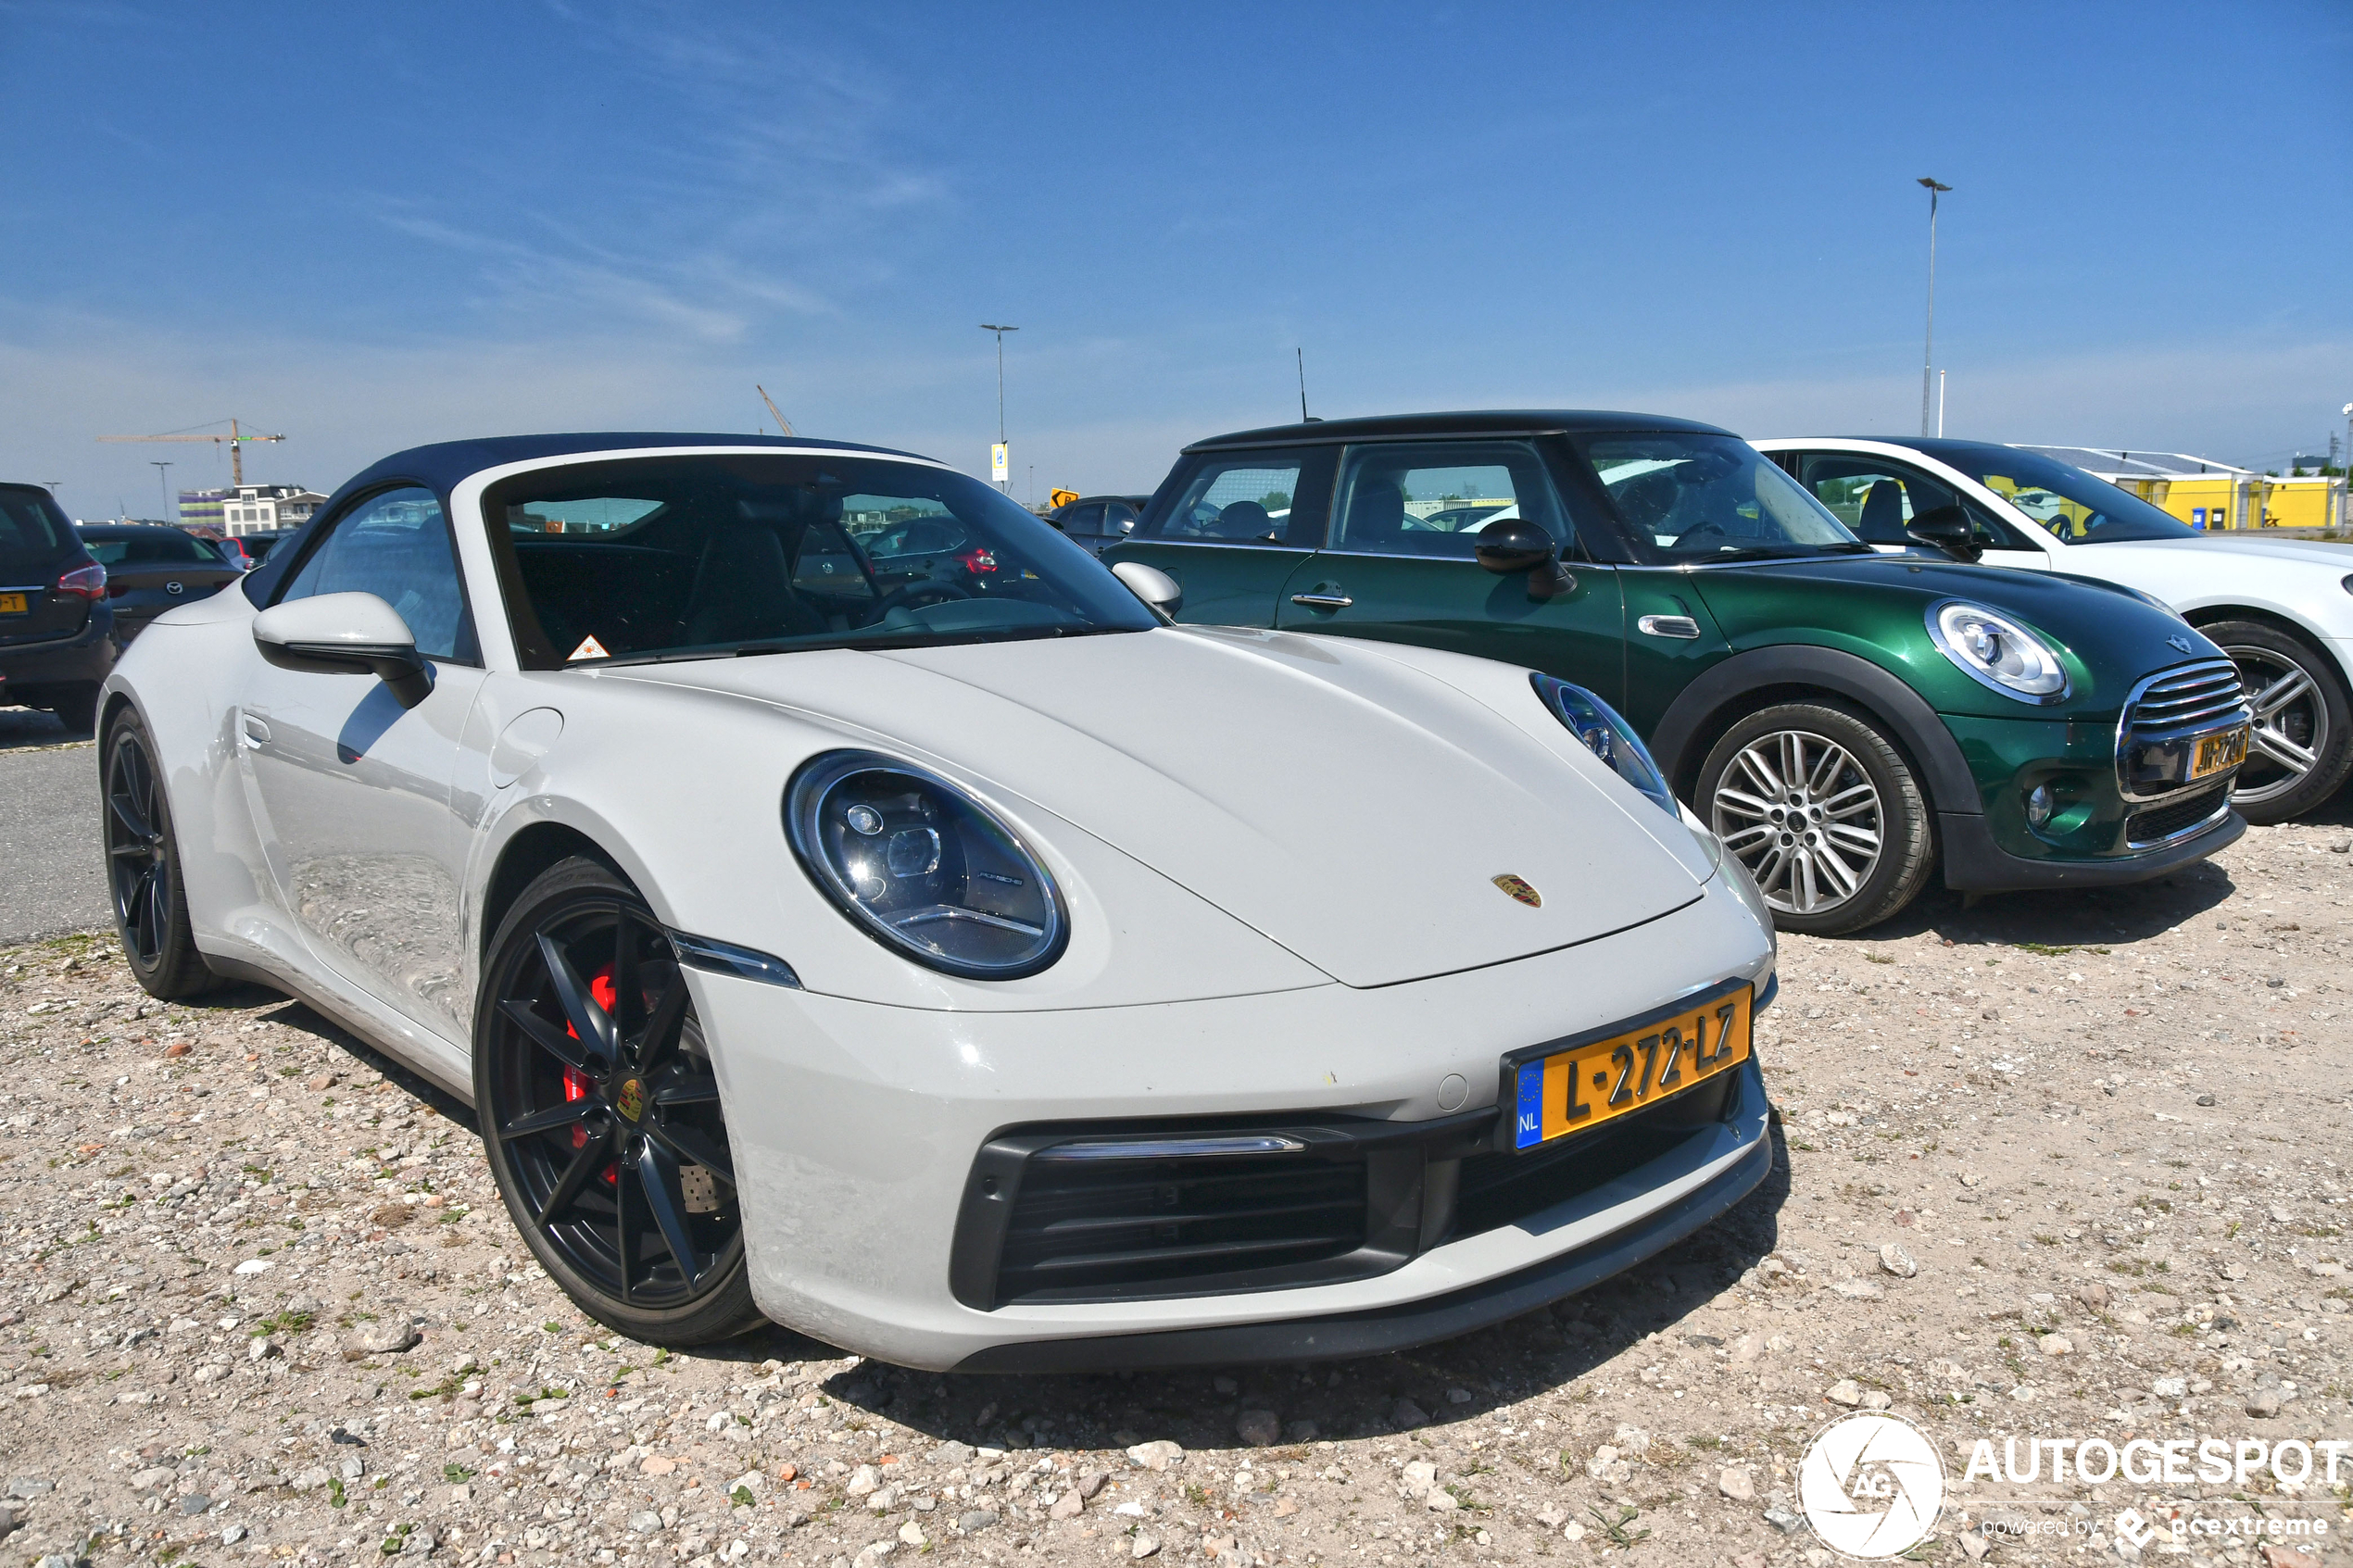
1689, 727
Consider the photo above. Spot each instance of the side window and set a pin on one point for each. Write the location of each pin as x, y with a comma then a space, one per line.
1084, 522
1119, 519
395, 545
1246, 498
1426, 498
1879, 499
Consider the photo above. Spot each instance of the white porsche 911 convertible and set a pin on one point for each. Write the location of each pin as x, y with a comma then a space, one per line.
942, 954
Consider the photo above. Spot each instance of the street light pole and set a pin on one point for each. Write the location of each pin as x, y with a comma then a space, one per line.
163, 485
1001, 331
1928, 354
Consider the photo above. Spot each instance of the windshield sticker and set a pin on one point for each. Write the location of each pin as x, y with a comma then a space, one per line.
589, 649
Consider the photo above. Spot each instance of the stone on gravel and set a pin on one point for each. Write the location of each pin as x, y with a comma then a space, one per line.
1845, 1391
2055, 1345
1737, 1485
975, 1519
2264, 1403
1158, 1456
1067, 1506
863, 1481
1258, 1429
1897, 1261
1142, 1545
381, 1338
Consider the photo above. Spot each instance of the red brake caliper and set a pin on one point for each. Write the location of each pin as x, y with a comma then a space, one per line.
576, 1084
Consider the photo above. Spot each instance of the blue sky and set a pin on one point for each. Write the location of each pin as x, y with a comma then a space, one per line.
371, 226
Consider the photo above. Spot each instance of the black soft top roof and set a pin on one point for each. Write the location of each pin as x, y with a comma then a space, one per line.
1475, 421
445, 463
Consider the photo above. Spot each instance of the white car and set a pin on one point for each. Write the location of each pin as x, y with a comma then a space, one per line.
2282, 608
991, 976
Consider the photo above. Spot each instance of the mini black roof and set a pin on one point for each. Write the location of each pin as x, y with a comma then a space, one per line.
1472, 421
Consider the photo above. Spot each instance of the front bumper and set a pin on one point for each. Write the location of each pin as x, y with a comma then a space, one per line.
856, 1128
1975, 863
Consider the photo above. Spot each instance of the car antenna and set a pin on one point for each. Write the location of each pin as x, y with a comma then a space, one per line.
782, 428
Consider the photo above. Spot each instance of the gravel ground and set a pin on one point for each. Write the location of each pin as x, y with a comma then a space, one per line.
2052, 1167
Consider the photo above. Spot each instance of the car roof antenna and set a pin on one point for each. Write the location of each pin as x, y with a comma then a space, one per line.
1304, 417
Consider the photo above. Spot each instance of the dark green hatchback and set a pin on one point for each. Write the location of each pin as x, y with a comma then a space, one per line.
1848, 722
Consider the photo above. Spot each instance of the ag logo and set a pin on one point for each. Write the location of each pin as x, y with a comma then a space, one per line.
1871, 1486
1516, 889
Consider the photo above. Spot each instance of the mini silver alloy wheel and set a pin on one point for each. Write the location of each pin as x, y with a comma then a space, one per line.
1803, 818
2290, 724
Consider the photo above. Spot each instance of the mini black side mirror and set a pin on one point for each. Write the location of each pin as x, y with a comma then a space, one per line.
1517, 544
1948, 529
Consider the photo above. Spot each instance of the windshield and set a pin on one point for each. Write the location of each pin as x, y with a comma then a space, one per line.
1710, 497
160, 548
2079, 507
704, 556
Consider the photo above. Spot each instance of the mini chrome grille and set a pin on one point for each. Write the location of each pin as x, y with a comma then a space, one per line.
2194, 696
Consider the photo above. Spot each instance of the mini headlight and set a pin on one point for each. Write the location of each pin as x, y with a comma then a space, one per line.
1996, 652
926, 868
1609, 737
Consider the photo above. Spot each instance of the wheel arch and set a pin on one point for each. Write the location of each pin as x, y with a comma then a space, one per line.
526, 853
2203, 616
1747, 682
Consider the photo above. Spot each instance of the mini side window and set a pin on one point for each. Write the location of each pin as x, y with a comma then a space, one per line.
1430, 498
1262, 497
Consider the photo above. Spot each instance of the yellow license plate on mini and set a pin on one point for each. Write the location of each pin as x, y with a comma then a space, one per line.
1567, 1091
2217, 752
13, 604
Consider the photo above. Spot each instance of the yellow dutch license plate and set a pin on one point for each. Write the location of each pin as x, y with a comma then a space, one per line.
1583, 1086
12, 604
2218, 752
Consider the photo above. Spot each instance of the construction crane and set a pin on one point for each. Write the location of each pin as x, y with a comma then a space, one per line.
237, 437
782, 428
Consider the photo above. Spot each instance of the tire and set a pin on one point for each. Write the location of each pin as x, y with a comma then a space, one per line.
144, 884
76, 706
596, 1146
1859, 847
2302, 747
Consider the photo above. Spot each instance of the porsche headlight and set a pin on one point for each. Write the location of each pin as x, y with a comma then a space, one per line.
1609, 737
1996, 652
925, 868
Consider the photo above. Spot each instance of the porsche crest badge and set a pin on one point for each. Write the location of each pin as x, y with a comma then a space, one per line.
1519, 889
631, 1101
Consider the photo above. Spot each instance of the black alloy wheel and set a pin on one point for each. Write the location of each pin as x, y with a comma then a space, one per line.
601, 1114
143, 869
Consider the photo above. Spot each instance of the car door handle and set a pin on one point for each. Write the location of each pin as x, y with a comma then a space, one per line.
1323, 601
256, 732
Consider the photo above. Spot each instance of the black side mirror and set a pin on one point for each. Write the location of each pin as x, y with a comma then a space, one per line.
1949, 530
1517, 544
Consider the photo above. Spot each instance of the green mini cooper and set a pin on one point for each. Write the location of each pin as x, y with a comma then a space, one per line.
1846, 721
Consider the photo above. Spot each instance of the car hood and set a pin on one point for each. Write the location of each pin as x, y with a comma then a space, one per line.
1348, 806
2110, 636
2296, 552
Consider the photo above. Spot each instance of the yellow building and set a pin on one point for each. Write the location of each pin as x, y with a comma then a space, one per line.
2206, 494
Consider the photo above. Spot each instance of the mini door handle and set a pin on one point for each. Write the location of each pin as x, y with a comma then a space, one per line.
1323, 601
256, 732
